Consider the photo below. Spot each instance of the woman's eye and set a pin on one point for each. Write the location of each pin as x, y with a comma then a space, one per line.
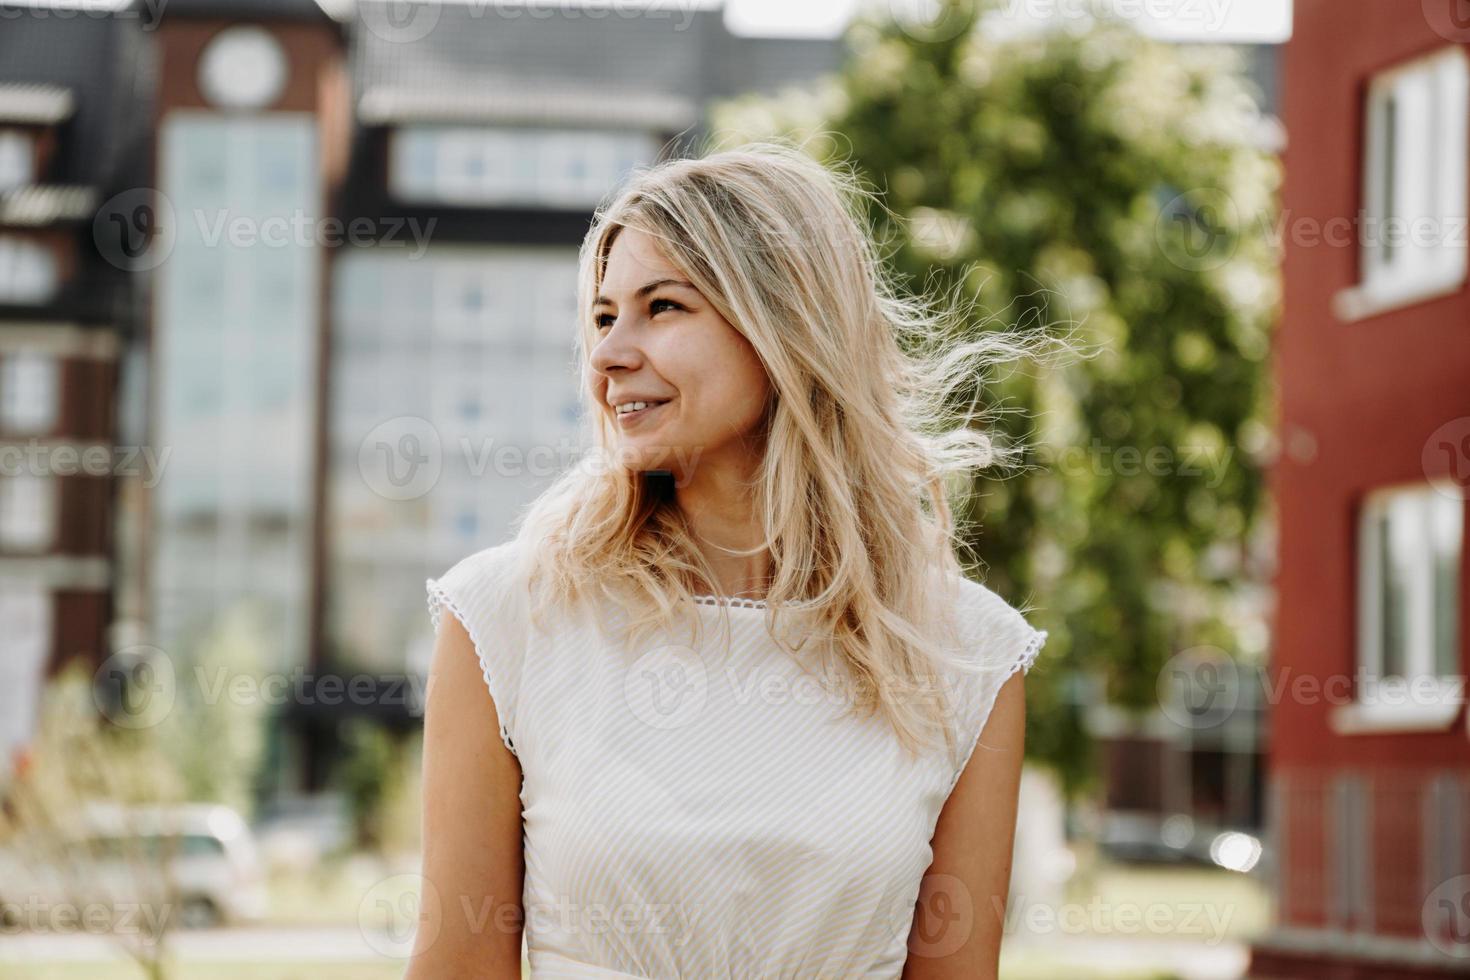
602, 319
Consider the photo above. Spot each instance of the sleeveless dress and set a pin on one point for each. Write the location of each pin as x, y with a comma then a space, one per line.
712, 811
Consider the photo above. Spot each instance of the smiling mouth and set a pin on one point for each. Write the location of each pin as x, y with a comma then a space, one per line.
625, 417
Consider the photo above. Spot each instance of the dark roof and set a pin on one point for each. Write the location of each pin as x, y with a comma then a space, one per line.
99, 61
654, 64
253, 10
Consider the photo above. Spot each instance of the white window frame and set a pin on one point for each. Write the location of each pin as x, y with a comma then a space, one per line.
30, 393
17, 158
512, 166
1423, 700
1407, 261
28, 271
28, 505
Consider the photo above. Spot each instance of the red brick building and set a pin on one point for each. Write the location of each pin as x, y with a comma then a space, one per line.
1370, 759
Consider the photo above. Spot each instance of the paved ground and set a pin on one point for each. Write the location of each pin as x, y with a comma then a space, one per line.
324, 945
1056, 955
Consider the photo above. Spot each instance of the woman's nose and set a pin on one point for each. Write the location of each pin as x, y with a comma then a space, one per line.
615, 350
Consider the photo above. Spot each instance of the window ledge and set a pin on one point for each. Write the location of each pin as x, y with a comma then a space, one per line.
1372, 719
1362, 300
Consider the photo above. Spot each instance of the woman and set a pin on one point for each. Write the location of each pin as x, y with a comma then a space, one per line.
798, 794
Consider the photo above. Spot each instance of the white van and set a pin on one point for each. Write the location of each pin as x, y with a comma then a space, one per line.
195, 863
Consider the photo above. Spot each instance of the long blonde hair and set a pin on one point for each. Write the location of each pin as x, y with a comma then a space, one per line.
862, 433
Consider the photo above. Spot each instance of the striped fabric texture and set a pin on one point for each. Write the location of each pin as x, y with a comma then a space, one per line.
708, 806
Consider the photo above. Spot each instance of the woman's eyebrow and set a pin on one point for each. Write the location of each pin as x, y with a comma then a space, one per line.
645, 289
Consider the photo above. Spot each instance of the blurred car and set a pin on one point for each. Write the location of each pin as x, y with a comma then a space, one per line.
197, 862
1177, 839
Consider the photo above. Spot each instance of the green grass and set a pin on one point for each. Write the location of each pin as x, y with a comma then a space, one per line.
1240, 905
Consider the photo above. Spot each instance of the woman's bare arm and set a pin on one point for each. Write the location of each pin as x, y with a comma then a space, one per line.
470, 918
959, 920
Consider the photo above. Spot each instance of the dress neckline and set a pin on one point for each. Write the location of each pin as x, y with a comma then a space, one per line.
731, 602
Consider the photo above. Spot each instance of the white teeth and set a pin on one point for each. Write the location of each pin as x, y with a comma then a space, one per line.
627, 407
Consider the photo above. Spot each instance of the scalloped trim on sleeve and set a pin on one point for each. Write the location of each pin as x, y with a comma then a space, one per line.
439, 600
1023, 664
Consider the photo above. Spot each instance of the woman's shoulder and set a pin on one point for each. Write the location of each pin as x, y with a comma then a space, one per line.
993, 629
488, 585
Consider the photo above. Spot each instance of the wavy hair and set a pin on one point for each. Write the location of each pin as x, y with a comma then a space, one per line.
865, 429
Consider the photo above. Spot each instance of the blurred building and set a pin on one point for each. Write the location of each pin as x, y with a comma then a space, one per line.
1369, 761
64, 319
321, 266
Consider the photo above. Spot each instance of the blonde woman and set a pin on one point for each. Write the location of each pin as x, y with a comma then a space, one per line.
726, 705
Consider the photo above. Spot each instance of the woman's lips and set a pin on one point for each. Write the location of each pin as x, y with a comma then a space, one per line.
629, 419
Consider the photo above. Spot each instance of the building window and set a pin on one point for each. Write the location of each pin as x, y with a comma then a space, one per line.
16, 159
512, 166
1412, 241
27, 512
30, 386
26, 613
27, 271
1409, 546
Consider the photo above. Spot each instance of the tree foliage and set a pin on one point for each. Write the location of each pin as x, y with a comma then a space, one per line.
1107, 180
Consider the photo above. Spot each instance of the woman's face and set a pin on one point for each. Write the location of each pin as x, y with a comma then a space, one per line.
659, 341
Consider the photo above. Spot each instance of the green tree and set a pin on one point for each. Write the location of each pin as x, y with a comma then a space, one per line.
1107, 180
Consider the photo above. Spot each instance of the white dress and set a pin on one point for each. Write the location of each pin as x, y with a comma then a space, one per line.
692, 814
